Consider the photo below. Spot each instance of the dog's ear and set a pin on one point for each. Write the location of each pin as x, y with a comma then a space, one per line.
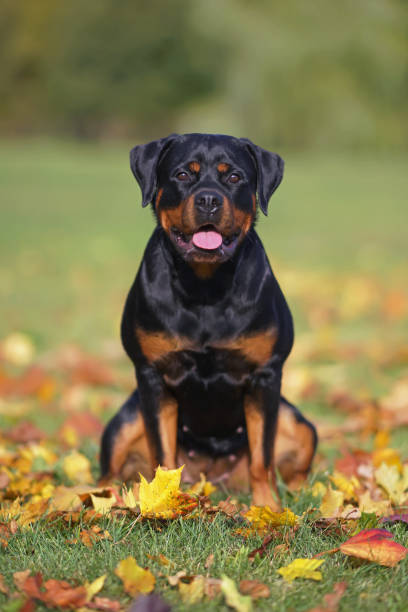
143, 162
269, 168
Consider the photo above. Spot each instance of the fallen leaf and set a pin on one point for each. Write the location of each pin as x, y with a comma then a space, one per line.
254, 588
346, 485
135, 579
331, 503
389, 456
375, 545
203, 487
368, 505
192, 592
92, 588
104, 604
388, 477
261, 550
395, 518
162, 498
102, 504
25, 432
262, 518
301, 568
61, 594
78, 468
240, 603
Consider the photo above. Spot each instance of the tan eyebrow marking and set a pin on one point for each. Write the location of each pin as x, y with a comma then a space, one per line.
194, 166
223, 167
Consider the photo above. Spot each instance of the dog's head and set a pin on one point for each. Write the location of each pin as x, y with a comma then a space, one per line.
205, 189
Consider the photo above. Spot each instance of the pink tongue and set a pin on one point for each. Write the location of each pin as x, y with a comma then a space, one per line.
207, 240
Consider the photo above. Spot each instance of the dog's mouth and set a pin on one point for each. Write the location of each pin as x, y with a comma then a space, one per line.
205, 244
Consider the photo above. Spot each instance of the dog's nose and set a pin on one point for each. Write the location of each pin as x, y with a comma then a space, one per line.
208, 202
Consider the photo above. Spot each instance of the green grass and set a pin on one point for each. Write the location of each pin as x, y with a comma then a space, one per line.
72, 234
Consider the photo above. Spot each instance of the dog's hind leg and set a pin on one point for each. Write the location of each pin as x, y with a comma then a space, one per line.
124, 448
295, 444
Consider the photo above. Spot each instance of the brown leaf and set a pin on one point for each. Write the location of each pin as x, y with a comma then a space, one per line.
62, 594
105, 604
84, 424
254, 588
28, 606
20, 578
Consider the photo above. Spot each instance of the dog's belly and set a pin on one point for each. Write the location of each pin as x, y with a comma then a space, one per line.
209, 387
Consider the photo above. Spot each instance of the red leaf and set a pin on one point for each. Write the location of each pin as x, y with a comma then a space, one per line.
375, 545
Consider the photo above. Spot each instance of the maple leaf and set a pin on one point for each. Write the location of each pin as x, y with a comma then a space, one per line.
368, 505
61, 594
135, 579
375, 545
331, 503
162, 498
332, 600
389, 456
77, 467
348, 486
301, 568
263, 518
240, 603
388, 477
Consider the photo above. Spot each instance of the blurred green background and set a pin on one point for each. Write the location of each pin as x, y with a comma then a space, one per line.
325, 84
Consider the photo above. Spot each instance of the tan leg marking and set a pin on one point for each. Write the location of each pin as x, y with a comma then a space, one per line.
294, 447
168, 431
128, 435
261, 478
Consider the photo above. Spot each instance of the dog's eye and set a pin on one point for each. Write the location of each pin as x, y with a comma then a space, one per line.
234, 178
182, 176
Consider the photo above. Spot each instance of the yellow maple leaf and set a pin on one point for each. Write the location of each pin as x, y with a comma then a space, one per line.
388, 477
380, 508
347, 485
202, 487
382, 439
77, 467
135, 579
128, 496
331, 503
263, 518
24, 514
301, 568
161, 497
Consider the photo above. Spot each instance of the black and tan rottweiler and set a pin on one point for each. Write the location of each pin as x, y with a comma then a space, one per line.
207, 327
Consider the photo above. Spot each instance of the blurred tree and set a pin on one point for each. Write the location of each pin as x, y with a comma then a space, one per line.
316, 74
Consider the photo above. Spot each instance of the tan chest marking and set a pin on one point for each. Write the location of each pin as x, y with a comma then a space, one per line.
156, 345
257, 348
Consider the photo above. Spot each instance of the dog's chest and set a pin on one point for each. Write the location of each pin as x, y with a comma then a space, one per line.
232, 360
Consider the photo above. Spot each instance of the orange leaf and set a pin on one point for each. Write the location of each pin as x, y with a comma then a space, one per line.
254, 588
61, 594
3, 585
375, 545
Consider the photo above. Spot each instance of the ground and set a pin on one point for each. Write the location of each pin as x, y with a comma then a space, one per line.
71, 237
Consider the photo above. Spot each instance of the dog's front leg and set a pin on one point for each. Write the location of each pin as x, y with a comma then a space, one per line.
159, 411
261, 406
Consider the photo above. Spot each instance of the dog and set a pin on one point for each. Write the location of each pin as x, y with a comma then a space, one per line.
207, 327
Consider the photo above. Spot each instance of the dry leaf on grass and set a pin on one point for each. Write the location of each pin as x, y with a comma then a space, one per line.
135, 579
331, 600
375, 545
254, 588
301, 568
234, 599
162, 498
